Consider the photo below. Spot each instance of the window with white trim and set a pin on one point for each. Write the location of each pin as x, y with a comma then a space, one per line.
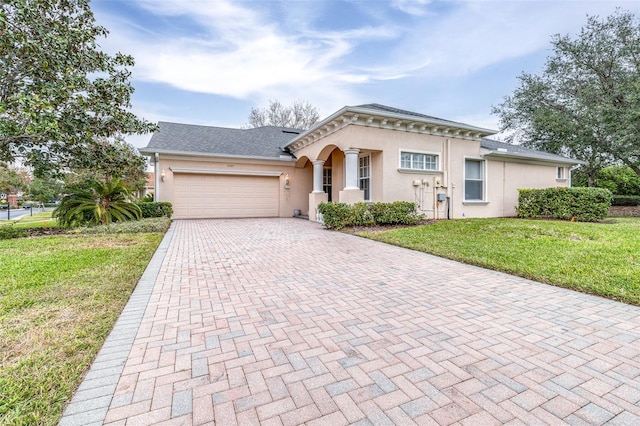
561, 174
418, 161
326, 181
364, 175
473, 180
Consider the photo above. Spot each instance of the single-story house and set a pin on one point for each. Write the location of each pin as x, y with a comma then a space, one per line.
365, 153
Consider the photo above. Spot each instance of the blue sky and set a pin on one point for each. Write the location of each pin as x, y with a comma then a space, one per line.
210, 61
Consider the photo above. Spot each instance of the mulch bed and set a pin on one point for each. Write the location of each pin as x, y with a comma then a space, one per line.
41, 232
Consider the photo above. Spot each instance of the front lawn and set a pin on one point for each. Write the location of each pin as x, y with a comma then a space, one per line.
59, 299
597, 258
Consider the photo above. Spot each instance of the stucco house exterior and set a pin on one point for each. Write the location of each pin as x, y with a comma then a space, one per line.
365, 153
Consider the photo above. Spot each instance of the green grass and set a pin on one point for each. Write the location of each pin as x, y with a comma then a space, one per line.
596, 258
38, 220
59, 298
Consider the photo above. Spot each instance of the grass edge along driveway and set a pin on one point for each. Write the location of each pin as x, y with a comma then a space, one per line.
596, 258
59, 298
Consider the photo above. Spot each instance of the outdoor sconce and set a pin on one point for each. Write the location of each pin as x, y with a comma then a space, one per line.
163, 175
286, 180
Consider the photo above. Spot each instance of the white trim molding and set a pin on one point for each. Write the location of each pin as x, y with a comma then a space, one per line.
226, 172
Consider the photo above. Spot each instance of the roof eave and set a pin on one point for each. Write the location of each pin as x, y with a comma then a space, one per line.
521, 156
151, 151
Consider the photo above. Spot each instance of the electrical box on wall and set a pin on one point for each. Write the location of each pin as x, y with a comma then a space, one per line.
442, 196
417, 182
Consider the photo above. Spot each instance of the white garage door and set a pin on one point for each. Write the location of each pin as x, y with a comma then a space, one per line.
222, 196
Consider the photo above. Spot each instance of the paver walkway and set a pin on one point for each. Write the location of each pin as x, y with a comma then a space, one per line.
278, 321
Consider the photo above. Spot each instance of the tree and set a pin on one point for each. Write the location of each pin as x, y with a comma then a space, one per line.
58, 91
44, 190
11, 181
101, 204
106, 160
300, 115
586, 102
620, 180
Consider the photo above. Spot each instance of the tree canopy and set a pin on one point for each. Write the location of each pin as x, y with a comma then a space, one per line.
11, 181
300, 115
58, 90
116, 158
586, 101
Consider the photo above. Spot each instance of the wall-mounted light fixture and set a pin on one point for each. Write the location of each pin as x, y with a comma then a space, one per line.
286, 180
163, 175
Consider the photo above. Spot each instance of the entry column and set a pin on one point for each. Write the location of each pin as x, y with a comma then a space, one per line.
317, 176
352, 192
317, 196
351, 168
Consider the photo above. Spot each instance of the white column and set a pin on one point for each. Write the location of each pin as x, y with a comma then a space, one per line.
351, 168
317, 176
156, 184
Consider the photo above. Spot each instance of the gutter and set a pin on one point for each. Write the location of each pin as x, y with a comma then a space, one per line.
155, 151
560, 160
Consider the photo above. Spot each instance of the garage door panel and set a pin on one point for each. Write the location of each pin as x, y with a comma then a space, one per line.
220, 196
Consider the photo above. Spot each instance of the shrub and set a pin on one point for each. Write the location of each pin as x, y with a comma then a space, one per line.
151, 225
335, 215
101, 203
156, 209
396, 213
625, 200
339, 215
360, 215
7, 232
583, 204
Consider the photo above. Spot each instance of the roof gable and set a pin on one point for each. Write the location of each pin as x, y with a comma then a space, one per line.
390, 118
189, 138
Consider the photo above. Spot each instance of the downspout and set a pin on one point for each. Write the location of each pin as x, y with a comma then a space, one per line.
449, 183
156, 189
571, 169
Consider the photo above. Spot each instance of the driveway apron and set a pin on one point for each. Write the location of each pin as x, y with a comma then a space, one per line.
278, 321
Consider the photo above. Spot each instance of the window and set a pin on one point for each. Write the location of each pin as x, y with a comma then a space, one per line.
561, 174
364, 176
473, 180
418, 161
326, 182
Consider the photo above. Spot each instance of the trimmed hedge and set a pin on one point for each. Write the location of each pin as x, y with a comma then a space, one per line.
156, 209
8, 232
150, 225
340, 215
582, 204
625, 200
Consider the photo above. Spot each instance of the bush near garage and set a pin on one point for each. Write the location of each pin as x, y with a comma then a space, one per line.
581, 204
340, 215
625, 200
156, 209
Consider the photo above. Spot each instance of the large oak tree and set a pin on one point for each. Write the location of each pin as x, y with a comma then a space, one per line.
586, 101
59, 93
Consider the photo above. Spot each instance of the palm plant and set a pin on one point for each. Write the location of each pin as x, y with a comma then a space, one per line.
102, 203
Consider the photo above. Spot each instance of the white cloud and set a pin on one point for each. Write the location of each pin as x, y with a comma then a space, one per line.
240, 53
475, 34
256, 51
411, 7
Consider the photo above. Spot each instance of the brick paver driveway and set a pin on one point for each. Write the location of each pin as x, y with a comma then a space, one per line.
278, 321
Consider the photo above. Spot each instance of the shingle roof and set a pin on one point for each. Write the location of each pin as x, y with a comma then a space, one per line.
188, 138
385, 108
504, 148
